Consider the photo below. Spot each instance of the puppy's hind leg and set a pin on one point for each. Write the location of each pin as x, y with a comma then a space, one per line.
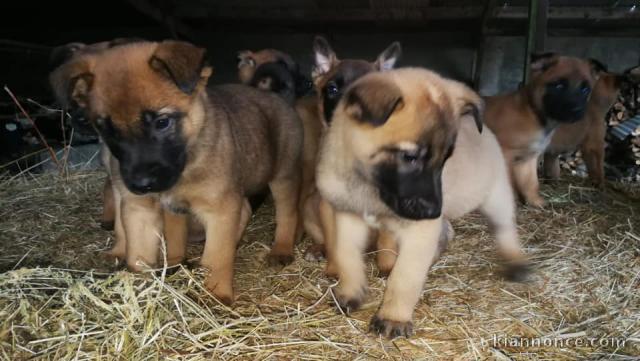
386, 252
551, 166
108, 206
500, 210
285, 194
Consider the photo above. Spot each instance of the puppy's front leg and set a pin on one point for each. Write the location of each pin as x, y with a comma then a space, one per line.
352, 234
142, 219
222, 219
119, 249
175, 234
418, 247
525, 174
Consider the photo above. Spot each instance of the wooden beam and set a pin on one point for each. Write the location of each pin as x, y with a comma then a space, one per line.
476, 66
537, 31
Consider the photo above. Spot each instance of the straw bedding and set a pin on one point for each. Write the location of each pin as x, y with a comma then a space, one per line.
60, 299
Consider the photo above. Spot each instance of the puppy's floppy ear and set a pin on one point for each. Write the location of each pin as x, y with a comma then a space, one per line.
372, 100
542, 61
324, 56
389, 57
182, 63
474, 110
72, 82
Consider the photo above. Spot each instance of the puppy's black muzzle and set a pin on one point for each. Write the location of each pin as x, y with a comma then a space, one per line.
415, 195
566, 106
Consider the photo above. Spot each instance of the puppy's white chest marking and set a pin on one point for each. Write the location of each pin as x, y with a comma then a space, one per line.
536, 147
169, 202
372, 220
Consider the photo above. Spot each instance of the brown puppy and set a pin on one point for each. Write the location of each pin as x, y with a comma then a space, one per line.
588, 134
331, 77
189, 148
405, 149
61, 55
112, 191
524, 120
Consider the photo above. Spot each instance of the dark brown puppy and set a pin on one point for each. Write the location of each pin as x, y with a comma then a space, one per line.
189, 148
331, 77
587, 134
524, 120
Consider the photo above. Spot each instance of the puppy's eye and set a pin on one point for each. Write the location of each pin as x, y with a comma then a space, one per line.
559, 84
585, 89
410, 157
163, 123
332, 89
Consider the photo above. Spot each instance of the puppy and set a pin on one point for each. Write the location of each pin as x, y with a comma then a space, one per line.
588, 134
331, 77
524, 120
406, 148
184, 147
61, 55
173, 229
273, 70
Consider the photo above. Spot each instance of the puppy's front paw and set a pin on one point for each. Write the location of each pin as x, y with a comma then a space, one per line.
279, 259
389, 328
350, 303
517, 272
536, 201
315, 252
221, 291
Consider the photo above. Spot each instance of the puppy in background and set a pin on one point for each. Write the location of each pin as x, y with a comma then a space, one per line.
273, 70
406, 149
524, 120
59, 56
186, 148
589, 133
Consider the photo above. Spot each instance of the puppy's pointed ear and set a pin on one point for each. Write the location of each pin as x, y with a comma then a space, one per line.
542, 61
389, 57
372, 100
72, 82
182, 63
324, 56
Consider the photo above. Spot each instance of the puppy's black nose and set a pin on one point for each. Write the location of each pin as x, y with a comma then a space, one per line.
142, 184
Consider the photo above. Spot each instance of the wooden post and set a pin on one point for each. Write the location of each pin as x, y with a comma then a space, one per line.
476, 65
537, 31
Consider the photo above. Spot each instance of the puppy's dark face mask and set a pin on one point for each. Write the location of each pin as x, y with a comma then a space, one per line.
565, 85
152, 159
410, 183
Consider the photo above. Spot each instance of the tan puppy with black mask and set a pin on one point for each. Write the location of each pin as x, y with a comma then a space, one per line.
405, 149
524, 120
183, 147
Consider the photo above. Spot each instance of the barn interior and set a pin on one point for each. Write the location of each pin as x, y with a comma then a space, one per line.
60, 298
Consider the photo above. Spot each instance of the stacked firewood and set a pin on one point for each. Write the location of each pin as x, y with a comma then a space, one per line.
622, 160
